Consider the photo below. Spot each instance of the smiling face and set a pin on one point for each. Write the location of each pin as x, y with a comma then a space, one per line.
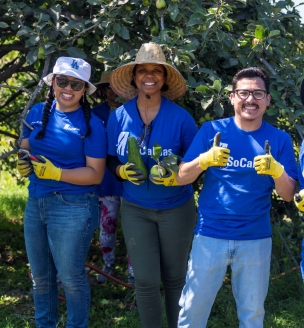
67, 99
149, 79
249, 112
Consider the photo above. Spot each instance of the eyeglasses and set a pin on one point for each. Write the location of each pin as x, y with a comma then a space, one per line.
256, 94
141, 140
63, 82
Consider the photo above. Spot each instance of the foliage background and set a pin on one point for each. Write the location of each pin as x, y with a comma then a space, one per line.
207, 41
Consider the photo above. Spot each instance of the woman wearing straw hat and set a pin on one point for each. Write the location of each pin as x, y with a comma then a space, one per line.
158, 216
110, 190
62, 211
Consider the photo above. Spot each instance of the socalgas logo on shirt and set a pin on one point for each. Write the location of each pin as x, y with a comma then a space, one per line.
242, 162
70, 128
122, 146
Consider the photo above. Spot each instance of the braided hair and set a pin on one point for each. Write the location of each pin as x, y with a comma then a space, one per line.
46, 112
87, 112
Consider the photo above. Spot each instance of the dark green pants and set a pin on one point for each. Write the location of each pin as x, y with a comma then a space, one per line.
158, 243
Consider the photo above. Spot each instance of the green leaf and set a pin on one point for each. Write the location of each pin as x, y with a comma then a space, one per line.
219, 109
125, 33
173, 10
3, 25
32, 56
272, 111
274, 33
217, 85
24, 31
157, 150
172, 161
206, 103
76, 52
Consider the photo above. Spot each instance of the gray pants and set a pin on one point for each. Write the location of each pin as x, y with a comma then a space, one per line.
158, 243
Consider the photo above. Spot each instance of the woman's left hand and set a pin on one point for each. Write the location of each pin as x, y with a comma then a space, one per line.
168, 180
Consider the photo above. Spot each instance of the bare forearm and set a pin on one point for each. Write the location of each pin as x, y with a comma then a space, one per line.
82, 176
285, 186
188, 172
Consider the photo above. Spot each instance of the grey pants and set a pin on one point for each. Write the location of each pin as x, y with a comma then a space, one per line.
158, 243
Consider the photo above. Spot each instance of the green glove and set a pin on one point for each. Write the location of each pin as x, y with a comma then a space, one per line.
299, 200
215, 156
45, 169
24, 167
267, 165
127, 172
168, 180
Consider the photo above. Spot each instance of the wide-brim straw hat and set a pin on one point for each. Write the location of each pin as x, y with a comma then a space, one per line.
149, 53
75, 67
105, 78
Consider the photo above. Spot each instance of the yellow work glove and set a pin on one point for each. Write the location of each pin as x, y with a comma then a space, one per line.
168, 179
127, 172
215, 156
299, 200
45, 169
24, 167
267, 165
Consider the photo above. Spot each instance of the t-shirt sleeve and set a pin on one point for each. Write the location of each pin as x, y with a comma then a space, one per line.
34, 114
189, 132
198, 145
96, 143
301, 167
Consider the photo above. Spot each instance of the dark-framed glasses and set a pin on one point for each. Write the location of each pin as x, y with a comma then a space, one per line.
63, 82
256, 94
141, 140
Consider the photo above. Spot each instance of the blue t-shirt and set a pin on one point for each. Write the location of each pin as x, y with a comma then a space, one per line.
64, 145
109, 186
301, 167
235, 201
173, 128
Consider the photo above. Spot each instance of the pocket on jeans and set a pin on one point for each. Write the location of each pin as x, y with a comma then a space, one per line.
75, 200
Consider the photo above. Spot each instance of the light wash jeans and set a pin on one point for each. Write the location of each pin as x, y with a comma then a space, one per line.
58, 231
209, 259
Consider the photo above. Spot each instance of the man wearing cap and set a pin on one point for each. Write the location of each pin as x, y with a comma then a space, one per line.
62, 213
244, 159
299, 197
158, 215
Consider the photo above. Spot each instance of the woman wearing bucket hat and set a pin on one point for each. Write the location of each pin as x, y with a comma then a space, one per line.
110, 190
158, 216
62, 211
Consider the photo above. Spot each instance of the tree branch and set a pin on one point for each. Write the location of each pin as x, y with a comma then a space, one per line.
265, 62
18, 88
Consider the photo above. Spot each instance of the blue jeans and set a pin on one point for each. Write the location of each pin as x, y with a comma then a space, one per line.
209, 258
58, 231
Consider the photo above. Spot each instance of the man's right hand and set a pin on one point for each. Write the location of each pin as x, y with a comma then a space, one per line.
299, 200
24, 167
215, 156
127, 172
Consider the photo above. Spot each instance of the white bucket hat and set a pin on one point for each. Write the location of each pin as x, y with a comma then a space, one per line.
75, 67
120, 79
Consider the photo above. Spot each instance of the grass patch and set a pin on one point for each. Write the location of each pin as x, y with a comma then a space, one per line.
113, 304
